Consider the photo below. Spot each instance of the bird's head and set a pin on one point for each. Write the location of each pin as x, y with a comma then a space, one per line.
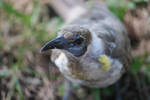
74, 39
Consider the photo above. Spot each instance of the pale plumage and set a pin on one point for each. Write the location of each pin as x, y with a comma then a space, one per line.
94, 50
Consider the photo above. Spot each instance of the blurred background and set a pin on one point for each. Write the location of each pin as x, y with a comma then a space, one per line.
26, 25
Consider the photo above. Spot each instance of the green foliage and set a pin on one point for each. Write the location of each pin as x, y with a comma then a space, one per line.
33, 34
61, 90
108, 91
140, 1
136, 65
96, 93
19, 90
119, 7
12, 12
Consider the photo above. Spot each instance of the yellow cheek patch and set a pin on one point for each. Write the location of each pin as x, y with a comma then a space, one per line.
104, 60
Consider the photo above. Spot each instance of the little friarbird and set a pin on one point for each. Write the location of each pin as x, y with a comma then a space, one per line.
93, 50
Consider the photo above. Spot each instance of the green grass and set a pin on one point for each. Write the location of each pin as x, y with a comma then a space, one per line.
136, 65
119, 7
96, 93
33, 34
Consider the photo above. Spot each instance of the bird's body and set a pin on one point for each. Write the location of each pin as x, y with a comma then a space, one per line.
96, 51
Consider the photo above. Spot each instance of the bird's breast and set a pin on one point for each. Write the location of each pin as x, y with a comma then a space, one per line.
100, 73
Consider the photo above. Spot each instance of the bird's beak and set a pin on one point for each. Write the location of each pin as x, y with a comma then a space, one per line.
58, 43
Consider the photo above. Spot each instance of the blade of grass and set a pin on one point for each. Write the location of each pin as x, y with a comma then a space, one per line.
18, 88
118, 7
136, 65
11, 11
12, 89
35, 13
96, 93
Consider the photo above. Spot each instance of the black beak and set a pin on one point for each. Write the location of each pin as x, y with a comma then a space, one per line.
58, 43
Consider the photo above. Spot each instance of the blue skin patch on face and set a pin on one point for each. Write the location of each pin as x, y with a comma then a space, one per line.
75, 45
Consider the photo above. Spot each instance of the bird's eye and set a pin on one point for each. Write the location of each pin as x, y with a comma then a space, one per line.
78, 41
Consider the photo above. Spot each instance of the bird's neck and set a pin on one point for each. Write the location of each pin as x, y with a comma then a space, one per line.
96, 47
68, 64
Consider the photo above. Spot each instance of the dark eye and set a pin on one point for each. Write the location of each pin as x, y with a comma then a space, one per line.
78, 41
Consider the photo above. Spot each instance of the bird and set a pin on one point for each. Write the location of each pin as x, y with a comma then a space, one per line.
93, 50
